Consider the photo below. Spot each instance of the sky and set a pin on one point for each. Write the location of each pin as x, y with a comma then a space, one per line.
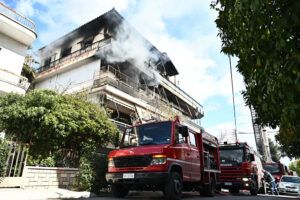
185, 30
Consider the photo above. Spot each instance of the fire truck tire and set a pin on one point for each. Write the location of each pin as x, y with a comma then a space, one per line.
174, 187
263, 190
254, 188
119, 190
210, 189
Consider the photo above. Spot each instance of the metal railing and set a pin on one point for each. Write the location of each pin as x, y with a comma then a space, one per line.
5, 10
74, 55
14, 79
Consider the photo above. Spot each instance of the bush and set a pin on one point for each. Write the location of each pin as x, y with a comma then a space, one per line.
3, 156
92, 173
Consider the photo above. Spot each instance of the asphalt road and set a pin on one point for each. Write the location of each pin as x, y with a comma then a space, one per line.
194, 196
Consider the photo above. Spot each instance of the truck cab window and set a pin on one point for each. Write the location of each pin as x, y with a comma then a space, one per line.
179, 139
192, 139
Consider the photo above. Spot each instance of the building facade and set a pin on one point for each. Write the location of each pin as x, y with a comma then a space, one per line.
117, 67
16, 35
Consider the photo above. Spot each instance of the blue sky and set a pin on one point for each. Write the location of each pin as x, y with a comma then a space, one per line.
184, 29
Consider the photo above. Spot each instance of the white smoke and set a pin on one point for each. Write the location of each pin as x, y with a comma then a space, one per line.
129, 46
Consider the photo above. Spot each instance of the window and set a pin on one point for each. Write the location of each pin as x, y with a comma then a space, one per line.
179, 139
192, 139
66, 52
47, 61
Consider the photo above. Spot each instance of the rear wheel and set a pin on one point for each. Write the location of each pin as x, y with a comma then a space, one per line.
210, 189
119, 190
173, 188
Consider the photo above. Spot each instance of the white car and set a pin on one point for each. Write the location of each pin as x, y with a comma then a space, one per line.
289, 185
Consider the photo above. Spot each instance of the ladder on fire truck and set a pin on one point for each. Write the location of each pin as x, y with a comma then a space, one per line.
257, 129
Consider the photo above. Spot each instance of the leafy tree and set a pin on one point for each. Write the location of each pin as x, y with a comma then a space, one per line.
295, 166
28, 72
264, 35
275, 151
50, 121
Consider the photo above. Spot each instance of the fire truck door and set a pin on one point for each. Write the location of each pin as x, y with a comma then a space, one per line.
194, 158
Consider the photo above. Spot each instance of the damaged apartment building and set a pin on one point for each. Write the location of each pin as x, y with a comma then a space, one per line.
117, 67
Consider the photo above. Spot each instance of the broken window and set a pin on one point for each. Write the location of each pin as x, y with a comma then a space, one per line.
66, 52
47, 61
87, 42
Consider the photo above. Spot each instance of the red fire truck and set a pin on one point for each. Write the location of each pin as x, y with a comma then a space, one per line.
167, 156
241, 168
276, 169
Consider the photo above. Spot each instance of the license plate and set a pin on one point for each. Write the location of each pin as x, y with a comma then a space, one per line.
227, 183
128, 175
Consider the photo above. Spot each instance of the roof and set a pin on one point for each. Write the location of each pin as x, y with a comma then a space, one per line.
109, 20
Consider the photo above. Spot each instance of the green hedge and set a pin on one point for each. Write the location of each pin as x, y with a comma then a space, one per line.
92, 173
3, 156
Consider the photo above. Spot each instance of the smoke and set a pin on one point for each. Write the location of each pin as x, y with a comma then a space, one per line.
129, 46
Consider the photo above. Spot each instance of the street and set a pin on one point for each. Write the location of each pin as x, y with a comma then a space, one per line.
193, 196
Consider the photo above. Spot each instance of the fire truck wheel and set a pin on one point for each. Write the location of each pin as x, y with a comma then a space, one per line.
119, 190
254, 188
210, 189
173, 188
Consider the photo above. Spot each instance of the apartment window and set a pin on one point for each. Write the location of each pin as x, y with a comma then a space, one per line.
47, 61
87, 42
66, 52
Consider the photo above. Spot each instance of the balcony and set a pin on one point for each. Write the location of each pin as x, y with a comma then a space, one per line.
16, 26
10, 82
74, 56
5, 10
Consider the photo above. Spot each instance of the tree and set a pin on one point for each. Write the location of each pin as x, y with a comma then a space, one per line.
264, 35
50, 122
275, 151
295, 166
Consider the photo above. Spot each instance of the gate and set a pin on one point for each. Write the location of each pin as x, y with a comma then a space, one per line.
15, 164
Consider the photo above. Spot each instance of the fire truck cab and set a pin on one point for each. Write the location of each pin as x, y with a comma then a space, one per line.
241, 168
276, 169
167, 156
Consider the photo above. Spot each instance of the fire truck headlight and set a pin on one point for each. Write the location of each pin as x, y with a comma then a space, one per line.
111, 162
245, 179
158, 160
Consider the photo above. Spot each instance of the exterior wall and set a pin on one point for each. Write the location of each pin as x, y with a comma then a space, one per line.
71, 77
12, 54
49, 177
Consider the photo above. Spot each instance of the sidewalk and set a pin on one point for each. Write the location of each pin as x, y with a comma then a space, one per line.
40, 194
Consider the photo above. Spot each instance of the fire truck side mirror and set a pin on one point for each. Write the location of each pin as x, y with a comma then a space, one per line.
117, 141
252, 157
184, 131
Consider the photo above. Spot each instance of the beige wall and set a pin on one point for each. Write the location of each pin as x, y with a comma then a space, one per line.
49, 177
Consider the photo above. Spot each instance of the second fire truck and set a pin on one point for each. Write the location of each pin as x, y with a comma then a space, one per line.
241, 168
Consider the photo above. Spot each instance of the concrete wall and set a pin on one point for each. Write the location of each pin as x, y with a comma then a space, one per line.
69, 78
49, 177
12, 54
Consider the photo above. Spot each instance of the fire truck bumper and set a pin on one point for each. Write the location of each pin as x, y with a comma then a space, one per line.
236, 185
138, 177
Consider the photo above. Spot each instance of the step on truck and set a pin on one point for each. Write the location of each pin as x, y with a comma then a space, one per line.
165, 156
241, 169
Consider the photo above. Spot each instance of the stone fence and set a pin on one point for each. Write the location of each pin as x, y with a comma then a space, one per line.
49, 177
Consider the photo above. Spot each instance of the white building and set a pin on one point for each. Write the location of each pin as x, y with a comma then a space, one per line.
119, 68
16, 35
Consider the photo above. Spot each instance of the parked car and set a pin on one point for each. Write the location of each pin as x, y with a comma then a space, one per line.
289, 185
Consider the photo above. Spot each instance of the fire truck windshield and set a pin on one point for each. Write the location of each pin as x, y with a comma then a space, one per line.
272, 168
147, 134
231, 156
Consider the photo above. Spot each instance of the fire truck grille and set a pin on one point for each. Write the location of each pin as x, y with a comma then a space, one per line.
133, 161
231, 174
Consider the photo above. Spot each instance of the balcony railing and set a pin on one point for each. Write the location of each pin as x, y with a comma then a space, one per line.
5, 10
14, 79
74, 55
